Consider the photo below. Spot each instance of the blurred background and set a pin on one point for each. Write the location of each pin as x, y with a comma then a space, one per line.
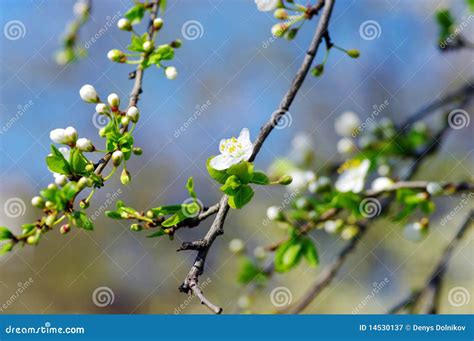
239, 72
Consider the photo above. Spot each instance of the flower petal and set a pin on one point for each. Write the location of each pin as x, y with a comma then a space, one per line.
221, 162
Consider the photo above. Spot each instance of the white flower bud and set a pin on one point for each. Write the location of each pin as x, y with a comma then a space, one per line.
171, 72
71, 134
125, 120
133, 114
349, 232
52, 186
345, 146
60, 179
347, 124
116, 56
278, 30
381, 184
114, 101
58, 136
88, 94
434, 188
157, 23
37, 202
331, 226
124, 24
236, 245
273, 213
101, 108
85, 145
117, 158
148, 46
259, 253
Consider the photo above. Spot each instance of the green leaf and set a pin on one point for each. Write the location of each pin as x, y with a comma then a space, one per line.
174, 219
26, 229
242, 197
57, 163
260, 178
165, 210
78, 162
137, 43
445, 22
7, 247
190, 187
69, 190
310, 253
81, 220
470, 4
219, 176
158, 233
231, 186
243, 170
5, 233
162, 5
112, 140
135, 14
288, 255
113, 214
249, 272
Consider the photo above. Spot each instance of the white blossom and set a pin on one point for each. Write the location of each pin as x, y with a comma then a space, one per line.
63, 136
233, 151
113, 100
347, 123
60, 179
133, 114
353, 178
266, 5
381, 184
88, 94
101, 108
171, 72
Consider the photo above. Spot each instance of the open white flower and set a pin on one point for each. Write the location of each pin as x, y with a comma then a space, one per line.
233, 151
347, 123
353, 178
266, 5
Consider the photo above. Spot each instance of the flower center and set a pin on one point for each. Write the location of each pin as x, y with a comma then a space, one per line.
232, 146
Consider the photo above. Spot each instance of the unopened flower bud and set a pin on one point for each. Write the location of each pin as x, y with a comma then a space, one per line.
280, 14
236, 245
137, 151
349, 232
285, 180
125, 120
49, 205
157, 24
50, 219
85, 145
102, 132
83, 204
150, 214
434, 188
353, 53
114, 101
274, 213
101, 108
176, 44
136, 227
278, 30
382, 184
148, 46
83, 183
171, 72
65, 229
52, 186
37, 202
71, 134
244, 302
345, 146
88, 94
317, 70
124, 24
33, 240
117, 158
133, 114
116, 56
60, 179
302, 204
89, 167
125, 177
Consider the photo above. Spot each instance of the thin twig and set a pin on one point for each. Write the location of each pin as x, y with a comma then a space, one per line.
217, 228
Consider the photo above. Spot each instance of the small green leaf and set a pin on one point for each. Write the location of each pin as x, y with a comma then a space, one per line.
78, 162
242, 197
57, 163
7, 247
219, 176
174, 219
113, 214
135, 14
158, 233
69, 190
260, 178
310, 253
81, 220
243, 170
288, 255
250, 272
26, 229
231, 186
5, 233
165, 210
190, 187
